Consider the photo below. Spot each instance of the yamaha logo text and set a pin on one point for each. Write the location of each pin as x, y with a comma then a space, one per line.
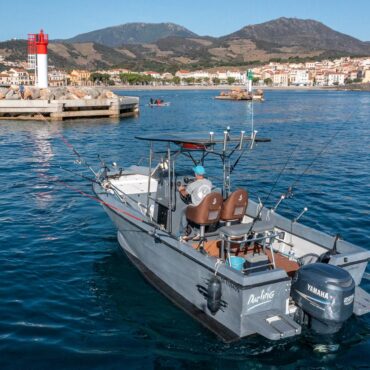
317, 291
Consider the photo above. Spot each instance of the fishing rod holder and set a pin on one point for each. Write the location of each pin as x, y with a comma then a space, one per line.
226, 135
304, 210
241, 139
282, 197
253, 138
211, 139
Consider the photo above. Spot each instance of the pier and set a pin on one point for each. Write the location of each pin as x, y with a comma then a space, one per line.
58, 110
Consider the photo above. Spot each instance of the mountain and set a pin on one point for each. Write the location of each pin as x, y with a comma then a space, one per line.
305, 33
132, 33
166, 46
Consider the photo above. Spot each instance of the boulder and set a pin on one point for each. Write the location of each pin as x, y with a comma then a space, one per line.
110, 94
93, 93
3, 92
70, 96
45, 94
79, 93
14, 97
34, 93
9, 94
59, 92
27, 93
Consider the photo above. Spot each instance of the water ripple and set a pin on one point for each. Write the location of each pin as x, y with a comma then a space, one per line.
70, 299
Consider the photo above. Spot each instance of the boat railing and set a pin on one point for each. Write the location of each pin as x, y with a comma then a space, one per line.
245, 240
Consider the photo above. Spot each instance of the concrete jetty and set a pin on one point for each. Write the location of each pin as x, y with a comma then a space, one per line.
66, 104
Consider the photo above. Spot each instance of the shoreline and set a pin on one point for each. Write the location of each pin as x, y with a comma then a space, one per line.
218, 87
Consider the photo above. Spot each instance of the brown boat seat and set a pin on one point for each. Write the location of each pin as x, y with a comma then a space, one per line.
234, 206
207, 212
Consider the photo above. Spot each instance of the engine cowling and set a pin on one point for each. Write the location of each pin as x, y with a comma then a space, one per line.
325, 293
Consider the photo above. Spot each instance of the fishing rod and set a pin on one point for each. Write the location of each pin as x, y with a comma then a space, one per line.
319, 154
109, 205
289, 192
80, 175
81, 160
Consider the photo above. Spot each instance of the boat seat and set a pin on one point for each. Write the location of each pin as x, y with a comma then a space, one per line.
233, 208
239, 230
207, 212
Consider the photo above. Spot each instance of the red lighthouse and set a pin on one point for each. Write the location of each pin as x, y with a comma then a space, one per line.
42, 59
38, 57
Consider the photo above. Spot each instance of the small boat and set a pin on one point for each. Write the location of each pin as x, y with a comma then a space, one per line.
239, 94
243, 268
164, 104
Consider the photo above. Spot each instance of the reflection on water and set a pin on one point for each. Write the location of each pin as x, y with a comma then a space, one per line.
70, 298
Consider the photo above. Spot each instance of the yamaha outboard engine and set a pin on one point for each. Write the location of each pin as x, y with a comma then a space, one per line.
325, 295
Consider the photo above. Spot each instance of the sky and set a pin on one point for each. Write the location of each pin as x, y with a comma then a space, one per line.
67, 18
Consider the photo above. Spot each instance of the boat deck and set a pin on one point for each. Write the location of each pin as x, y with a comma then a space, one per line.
212, 247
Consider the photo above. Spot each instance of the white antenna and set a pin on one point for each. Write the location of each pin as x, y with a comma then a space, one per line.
252, 119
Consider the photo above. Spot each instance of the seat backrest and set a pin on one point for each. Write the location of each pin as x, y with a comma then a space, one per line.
234, 206
207, 212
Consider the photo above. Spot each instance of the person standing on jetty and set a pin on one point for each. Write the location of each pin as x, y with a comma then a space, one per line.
21, 90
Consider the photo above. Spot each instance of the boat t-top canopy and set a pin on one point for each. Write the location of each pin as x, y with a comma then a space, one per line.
224, 146
202, 139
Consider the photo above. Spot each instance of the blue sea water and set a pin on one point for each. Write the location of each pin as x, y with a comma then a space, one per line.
70, 299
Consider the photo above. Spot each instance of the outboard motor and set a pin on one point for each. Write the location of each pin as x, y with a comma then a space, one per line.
325, 295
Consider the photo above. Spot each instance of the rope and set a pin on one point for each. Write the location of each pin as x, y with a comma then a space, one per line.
218, 263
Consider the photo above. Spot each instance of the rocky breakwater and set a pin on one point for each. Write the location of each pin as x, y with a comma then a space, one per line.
59, 103
55, 93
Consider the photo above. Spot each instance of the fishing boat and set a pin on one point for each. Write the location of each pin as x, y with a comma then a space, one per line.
239, 94
164, 104
242, 268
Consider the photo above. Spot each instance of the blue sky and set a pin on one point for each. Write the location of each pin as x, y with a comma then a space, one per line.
66, 18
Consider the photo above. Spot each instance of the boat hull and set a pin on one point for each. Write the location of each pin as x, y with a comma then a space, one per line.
182, 274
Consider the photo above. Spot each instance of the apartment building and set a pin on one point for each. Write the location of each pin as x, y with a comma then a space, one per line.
336, 79
280, 79
80, 78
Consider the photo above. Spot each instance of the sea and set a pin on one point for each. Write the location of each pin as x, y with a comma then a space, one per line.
70, 299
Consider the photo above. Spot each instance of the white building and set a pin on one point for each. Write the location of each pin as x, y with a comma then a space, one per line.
18, 76
57, 78
336, 79
310, 65
300, 77
4, 79
154, 75
321, 79
366, 77
280, 79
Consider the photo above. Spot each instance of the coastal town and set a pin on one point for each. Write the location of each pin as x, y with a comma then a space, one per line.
335, 72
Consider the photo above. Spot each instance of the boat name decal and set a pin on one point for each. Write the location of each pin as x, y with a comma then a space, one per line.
258, 300
317, 291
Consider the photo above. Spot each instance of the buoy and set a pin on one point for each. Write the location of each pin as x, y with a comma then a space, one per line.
214, 294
